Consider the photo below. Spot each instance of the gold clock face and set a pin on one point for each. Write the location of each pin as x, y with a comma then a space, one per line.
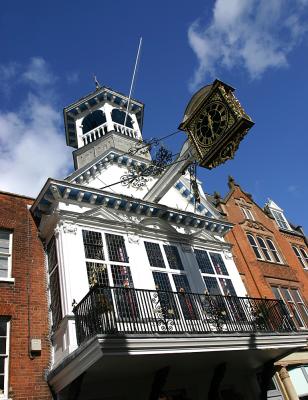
211, 123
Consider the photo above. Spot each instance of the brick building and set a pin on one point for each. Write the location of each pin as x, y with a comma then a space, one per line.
271, 256
24, 344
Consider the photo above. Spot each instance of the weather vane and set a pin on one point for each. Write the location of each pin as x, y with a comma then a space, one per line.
97, 84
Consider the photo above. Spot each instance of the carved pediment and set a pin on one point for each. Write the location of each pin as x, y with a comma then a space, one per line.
255, 225
157, 224
106, 214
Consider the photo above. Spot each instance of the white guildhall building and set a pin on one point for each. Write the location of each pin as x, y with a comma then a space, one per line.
144, 294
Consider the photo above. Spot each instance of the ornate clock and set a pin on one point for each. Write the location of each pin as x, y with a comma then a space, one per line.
215, 123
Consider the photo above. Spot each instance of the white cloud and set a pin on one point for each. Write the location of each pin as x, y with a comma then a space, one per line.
38, 73
253, 34
32, 144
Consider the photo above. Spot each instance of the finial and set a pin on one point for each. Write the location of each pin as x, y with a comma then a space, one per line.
231, 181
97, 84
217, 196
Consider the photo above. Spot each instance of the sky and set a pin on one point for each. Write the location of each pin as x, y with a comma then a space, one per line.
50, 51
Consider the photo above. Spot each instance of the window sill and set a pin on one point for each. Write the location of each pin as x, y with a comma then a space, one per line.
273, 263
8, 280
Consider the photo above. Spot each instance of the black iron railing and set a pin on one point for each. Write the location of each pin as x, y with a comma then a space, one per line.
119, 310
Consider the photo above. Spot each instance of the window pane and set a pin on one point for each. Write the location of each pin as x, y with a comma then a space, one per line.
286, 294
187, 302
3, 325
211, 285
2, 345
93, 245
52, 255
264, 248
227, 287
97, 274
296, 296
254, 246
173, 257
273, 250
276, 293
299, 381
280, 219
4, 242
116, 248
298, 255
1, 365
181, 282
204, 262
154, 255
219, 264
250, 214
304, 254
292, 306
55, 298
166, 300
162, 281
1, 383
3, 267
121, 276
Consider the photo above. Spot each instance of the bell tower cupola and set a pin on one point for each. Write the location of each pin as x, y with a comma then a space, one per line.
102, 120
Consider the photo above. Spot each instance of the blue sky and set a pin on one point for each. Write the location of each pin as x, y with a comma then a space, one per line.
50, 51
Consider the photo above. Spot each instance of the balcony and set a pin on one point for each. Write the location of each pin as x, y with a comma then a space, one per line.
103, 129
124, 311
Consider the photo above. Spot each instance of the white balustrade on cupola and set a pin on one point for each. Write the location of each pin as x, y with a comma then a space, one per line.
96, 133
125, 130
103, 129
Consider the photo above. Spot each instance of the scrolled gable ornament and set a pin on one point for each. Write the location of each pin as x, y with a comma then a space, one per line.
215, 123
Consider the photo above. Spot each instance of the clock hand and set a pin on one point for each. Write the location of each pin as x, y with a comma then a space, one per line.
210, 122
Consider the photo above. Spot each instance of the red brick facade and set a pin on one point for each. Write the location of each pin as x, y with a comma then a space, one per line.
25, 302
259, 275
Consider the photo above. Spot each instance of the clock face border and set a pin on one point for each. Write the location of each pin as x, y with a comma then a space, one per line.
225, 144
211, 123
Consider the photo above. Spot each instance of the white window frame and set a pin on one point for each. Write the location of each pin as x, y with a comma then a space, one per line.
247, 213
260, 249
304, 254
264, 249
300, 256
255, 246
274, 250
9, 257
167, 270
294, 302
215, 274
280, 220
5, 394
107, 262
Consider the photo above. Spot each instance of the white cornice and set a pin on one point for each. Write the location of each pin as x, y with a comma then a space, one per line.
105, 346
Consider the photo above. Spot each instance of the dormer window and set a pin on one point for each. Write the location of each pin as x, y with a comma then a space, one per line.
277, 213
93, 120
280, 219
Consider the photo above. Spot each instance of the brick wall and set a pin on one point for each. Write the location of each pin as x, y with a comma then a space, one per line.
258, 275
25, 301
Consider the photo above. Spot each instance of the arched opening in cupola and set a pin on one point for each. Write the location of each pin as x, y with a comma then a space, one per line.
118, 116
93, 120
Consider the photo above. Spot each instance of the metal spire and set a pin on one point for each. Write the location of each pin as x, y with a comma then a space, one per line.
133, 78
